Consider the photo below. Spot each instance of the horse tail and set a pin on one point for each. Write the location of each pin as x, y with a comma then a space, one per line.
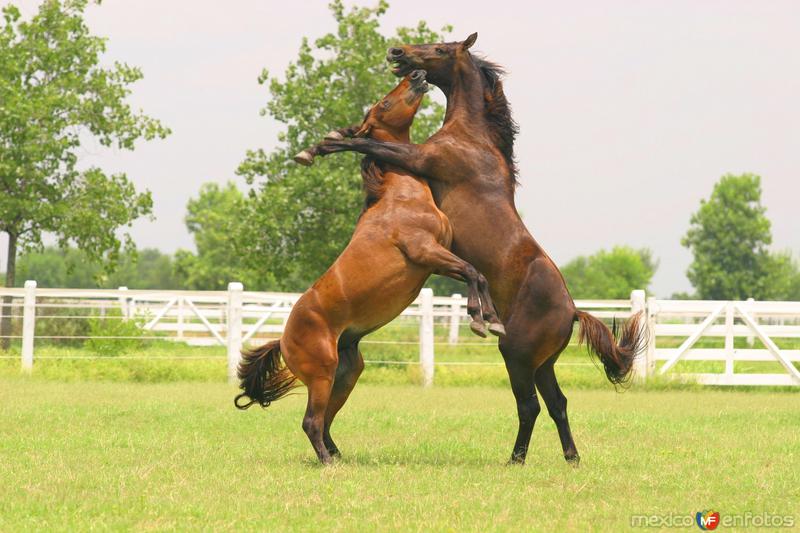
263, 377
615, 353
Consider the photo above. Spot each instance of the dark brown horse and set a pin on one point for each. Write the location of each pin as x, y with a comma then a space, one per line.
470, 165
400, 239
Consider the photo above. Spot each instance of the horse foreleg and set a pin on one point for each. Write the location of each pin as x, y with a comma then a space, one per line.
421, 159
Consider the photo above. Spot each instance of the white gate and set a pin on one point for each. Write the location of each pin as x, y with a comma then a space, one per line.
751, 322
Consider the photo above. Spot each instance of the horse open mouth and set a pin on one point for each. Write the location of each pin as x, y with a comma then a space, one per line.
400, 67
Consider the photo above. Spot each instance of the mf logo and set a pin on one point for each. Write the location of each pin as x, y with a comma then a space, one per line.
707, 520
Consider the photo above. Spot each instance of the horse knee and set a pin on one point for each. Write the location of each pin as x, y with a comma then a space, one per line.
311, 427
470, 273
528, 410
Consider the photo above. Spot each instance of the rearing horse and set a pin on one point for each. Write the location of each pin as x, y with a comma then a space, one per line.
469, 163
400, 239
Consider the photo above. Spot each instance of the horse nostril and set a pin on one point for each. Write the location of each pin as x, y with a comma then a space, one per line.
396, 52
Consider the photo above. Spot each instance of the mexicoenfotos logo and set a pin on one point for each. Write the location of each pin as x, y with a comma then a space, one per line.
707, 520
711, 520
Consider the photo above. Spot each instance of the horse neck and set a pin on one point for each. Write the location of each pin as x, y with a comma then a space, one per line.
465, 94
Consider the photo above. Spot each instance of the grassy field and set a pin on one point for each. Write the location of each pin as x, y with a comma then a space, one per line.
79, 456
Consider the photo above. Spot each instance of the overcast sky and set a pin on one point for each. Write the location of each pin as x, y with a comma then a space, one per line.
628, 111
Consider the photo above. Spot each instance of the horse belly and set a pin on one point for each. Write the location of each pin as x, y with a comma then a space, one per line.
381, 301
492, 238
376, 283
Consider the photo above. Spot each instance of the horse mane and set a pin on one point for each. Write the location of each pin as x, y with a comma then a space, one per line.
498, 112
371, 181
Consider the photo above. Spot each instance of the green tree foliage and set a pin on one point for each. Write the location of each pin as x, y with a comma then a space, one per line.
147, 269
610, 274
782, 277
214, 219
301, 218
54, 267
55, 96
729, 236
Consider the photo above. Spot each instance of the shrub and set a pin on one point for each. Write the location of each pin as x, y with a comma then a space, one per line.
112, 335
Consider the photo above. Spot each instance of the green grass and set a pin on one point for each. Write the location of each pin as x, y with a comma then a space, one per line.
79, 456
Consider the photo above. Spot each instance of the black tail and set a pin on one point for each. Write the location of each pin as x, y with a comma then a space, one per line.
617, 356
263, 377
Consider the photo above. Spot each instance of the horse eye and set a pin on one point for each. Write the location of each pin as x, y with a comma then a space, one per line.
440, 51
386, 104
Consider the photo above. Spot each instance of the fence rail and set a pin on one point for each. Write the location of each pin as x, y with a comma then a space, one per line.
236, 317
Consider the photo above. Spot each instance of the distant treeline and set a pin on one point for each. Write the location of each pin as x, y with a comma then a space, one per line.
606, 274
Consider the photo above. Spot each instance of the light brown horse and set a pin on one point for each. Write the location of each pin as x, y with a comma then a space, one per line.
400, 239
469, 163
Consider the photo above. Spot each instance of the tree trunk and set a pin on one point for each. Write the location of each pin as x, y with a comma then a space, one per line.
5, 310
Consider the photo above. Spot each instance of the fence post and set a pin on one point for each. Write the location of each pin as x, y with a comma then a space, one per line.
234, 329
123, 302
751, 340
426, 336
180, 317
455, 318
638, 305
28, 325
729, 346
652, 310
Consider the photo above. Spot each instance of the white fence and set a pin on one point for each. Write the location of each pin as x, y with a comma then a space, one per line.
236, 317
709, 330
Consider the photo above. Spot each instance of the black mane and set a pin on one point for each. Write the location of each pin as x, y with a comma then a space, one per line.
498, 111
372, 182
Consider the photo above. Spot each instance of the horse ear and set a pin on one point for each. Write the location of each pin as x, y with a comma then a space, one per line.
469, 41
366, 127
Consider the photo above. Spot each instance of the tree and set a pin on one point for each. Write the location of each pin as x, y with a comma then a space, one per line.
53, 267
782, 277
69, 267
729, 236
300, 218
214, 218
54, 96
146, 269
610, 275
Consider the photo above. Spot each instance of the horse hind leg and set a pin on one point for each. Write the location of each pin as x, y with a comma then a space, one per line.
314, 362
522, 384
351, 364
432, 255
556, 404
319, 392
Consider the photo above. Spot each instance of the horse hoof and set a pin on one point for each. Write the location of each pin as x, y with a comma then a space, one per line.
573, 460
496, 328
478, 328
334, 136
304, 158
